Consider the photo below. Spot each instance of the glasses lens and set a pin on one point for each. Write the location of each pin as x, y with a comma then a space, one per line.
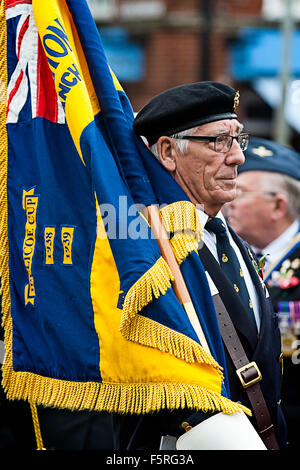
243, 140
223, 143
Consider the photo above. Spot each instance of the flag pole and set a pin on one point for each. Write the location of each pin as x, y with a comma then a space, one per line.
179, 285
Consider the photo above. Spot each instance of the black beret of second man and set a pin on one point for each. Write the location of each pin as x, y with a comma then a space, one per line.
184, 107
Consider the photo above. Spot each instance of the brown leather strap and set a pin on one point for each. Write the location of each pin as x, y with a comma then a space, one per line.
248, 374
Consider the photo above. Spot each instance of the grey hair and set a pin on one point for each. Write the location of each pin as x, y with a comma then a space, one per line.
182, 145
277, 182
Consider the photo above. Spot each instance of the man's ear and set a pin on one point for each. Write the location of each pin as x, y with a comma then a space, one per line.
281, 205
166, 153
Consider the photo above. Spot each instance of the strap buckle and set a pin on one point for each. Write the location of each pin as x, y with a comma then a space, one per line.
249, 374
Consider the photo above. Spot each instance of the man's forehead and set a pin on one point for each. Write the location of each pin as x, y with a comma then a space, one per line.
222, 125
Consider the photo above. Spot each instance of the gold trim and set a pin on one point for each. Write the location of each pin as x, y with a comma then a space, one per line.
36, 425
134, 327
182, 221
117, 398
153, 283
4, 269
236, 101
183, 244
181, 217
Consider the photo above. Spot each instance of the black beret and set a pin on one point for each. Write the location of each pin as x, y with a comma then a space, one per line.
266, 155
184, 107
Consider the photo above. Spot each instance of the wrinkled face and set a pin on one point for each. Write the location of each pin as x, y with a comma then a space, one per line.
209, 177
250, 214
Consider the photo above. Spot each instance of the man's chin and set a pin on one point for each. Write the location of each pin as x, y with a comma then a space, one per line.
227, 196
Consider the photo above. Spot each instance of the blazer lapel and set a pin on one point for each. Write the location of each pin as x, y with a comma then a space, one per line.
229, 297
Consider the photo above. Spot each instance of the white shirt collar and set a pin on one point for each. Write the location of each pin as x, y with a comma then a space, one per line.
204, 217
277, 246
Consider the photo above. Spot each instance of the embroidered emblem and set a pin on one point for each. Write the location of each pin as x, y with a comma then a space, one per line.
285, 266
250, 304
290, 273
236, 287
262, 151
30, 204
295, 263
67, 234
49, 234
224, 258
236, 101
283, 280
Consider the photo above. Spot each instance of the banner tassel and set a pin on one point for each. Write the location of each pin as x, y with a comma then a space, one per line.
36, 426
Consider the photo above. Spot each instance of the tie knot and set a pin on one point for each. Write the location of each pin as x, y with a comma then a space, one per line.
216, 225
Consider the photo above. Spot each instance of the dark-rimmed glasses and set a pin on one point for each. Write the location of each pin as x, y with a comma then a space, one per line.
222, 143
240, 193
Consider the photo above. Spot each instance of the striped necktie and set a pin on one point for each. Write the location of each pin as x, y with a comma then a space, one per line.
229, 262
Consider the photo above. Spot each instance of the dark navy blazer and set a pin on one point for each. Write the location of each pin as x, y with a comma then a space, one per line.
263, 347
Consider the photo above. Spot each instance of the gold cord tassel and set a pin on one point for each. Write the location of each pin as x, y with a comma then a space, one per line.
36, 425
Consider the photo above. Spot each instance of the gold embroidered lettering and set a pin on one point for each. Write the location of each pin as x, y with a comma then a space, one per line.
30, 204
67, 234
49, 234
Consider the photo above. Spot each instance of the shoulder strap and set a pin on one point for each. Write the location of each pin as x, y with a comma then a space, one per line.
248, 374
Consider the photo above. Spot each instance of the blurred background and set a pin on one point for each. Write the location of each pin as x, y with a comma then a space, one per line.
253, 45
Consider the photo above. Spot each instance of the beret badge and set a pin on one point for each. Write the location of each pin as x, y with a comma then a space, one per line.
262, 151
236, 101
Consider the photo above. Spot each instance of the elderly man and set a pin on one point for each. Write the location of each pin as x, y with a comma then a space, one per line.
194, 132
266, 214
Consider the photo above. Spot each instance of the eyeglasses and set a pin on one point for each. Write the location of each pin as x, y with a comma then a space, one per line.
241, 194
222, 143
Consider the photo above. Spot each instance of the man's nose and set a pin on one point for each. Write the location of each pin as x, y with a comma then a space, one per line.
235, 155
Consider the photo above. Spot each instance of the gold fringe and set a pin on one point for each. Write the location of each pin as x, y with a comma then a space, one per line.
143, 330
181, 216
155, 282
4, 269
4, 272
182, 244
153, 334
138, 398
181, 220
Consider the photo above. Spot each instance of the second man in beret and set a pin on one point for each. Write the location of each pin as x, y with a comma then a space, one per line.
266, 213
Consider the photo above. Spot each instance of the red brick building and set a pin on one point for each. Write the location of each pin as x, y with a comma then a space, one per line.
188, 42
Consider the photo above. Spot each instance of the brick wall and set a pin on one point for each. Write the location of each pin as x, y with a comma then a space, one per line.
174, 56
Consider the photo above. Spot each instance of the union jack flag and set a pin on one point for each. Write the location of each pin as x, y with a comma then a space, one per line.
31, 78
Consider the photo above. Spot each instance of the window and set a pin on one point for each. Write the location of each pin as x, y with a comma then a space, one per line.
102, 9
